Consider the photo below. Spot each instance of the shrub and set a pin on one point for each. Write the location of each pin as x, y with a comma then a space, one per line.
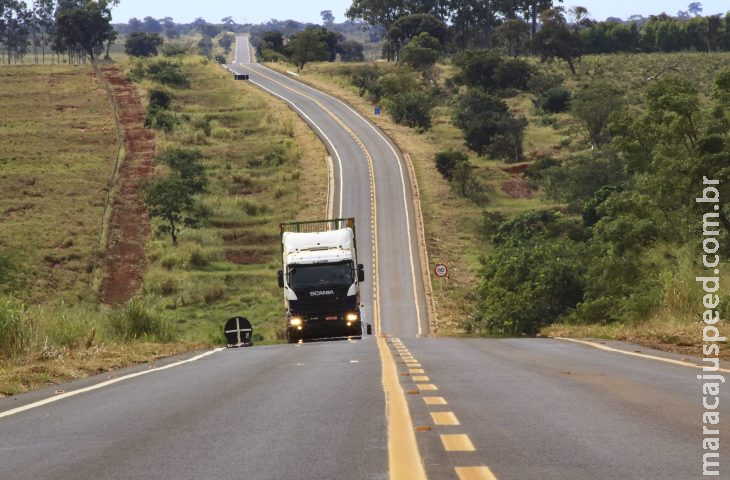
167, 73
174, 49
141, 44
159, 99
160, 120
447, 161
412, 109
512, 73
555, 100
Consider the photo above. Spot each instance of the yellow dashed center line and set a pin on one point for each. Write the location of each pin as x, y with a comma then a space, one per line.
452, 442
475, 473
457, 443
444, 418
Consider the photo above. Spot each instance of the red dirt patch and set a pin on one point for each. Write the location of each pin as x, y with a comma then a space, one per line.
518, 169
245, 257
129, 228
517, 187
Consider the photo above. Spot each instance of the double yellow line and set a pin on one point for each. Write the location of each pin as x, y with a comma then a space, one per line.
404, 458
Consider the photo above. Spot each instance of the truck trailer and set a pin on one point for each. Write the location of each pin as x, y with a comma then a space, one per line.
321, 279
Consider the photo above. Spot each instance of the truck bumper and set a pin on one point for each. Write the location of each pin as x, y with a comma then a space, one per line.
324, 329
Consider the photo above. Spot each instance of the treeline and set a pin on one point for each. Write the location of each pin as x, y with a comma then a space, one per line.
515, 27
75, 28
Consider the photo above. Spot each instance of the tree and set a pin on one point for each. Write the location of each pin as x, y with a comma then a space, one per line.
514, 34
594, 105
327, 17
140, 44
351, 51
135, 24
86, 25
14, 28
531, 10
170, 30
410, 26
172, 198
412, 108
695, 8
557, 39
226, 41
206, 46
421, 52
447, 161
307, 46
483, 117
169, 199
45, 21
228, 22
385, 12
150, 25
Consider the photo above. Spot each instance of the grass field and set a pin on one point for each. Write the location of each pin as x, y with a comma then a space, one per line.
58, 147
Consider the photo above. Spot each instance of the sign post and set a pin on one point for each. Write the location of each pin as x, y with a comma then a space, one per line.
441, 271
238, 331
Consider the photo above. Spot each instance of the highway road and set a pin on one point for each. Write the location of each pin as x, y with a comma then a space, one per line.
397, 405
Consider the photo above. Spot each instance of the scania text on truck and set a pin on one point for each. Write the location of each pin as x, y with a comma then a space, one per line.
321, 279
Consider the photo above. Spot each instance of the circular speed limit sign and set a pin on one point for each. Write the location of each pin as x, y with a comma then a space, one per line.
441, 270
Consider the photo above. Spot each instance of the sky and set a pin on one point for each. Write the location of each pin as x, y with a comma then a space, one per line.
308, 11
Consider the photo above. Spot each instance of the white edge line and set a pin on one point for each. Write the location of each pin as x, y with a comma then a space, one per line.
405, 199
56, 398
636, 354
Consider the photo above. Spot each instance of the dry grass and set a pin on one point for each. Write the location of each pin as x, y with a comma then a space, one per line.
58, 146
54, 367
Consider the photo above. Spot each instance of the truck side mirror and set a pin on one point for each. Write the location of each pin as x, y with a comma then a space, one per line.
281, 278
360, 273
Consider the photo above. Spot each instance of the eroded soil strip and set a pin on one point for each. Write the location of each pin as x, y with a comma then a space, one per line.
124, 262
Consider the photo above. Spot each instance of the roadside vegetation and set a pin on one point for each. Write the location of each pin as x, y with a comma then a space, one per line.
236, 163
563, 203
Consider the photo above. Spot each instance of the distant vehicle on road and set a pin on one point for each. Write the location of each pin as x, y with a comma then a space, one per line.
321, 279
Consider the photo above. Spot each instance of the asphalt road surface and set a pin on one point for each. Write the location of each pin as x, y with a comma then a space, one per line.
477, 409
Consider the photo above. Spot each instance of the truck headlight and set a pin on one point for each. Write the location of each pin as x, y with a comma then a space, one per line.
295, 321
351, 317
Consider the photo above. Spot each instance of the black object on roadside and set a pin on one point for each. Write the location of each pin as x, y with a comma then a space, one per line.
238, 332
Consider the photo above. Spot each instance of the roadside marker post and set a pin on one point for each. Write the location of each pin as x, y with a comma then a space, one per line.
441, 271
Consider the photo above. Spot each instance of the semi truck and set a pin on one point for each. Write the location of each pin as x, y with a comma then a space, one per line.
321, 279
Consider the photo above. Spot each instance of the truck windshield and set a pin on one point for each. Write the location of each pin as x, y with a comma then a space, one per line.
334, 274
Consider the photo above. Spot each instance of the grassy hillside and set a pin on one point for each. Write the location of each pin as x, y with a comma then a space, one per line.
59, 143
263, 166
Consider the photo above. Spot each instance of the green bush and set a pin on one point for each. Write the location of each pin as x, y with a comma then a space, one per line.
555, 100
159, 99
160, 120
174, 50
412, 109
167, 73
447, 161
